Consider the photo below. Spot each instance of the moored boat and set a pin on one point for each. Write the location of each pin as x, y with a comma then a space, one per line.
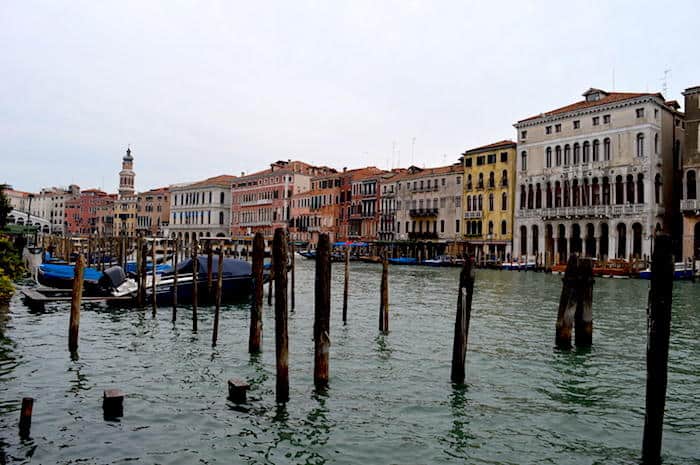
681, 271
403, 261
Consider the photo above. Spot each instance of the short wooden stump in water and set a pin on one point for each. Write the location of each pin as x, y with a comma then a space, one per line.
113, 403
237, 390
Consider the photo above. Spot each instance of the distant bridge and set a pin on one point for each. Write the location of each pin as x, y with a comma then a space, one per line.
23, 218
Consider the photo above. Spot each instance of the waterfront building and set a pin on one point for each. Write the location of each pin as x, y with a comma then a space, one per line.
153, 211
82, 212
261, 202
50, 204
596, 177
125, 205
20, 203
423, 204
201, 209
104, 216
364, 204
690, 205
488, 199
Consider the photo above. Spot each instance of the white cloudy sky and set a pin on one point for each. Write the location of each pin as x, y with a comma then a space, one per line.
201, 88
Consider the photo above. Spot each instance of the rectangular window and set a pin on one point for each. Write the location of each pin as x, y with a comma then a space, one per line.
459, 179
596, 120
640, 112
504, 157
442, 226
480, 160
443, 181
577, 124
523, 134
457, 226
606, 119
467, 163
656, 112
548, 130
557, 128
492, 158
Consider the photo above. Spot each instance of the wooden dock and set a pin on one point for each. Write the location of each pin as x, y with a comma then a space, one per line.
42, 295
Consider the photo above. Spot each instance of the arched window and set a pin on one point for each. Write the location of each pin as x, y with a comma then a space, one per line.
567, 193
221, 199
640, 188
657, 188
596, 150
619, 194
523, 160
469, 181
481, 202
606, 149
538, 196
480, 185
630, 188
640, 145
490, 227
221, 216
504, 227
656, 143
557, 155
504, 178
549, 157
577, 154
492, 180
691, 185
567, 155
557, 194
523, 197
549, 195
491, 201
530, 197
504, 201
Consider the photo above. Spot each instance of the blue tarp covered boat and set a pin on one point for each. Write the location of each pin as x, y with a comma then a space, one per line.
60, 276
403, 261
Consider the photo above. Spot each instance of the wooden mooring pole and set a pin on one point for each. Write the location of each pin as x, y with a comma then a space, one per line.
464, 311
271, 279
210, 270
583, 320
346, 285
25, 417
219, 287
256, 324
139, 258
291, 290
658, 334
154, 296
195, 275
384, 296
175, 253
279, 263
567, 304
322, 311
76, 296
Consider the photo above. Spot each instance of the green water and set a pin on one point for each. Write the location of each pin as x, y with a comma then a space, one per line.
390, 399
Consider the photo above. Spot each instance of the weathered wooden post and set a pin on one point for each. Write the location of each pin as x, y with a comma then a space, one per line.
256, 323
271, 279
76, 296
210, 271
384, 295
195, 275
567, 304
279, 262
346, 284
219, 286
237, 389
25, 417
583, 320
144, 269
139, 258
322, 311
658, 334
291, 250
112, 403
176, 251
464, 311
153, 277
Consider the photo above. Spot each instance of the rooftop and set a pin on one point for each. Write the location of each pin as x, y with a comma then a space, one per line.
501, 144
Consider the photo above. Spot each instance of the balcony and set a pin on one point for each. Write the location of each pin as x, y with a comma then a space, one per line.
590, 211
255, 223
425, 189
473, 214
423, 212
252, 203
690, 205
413, 236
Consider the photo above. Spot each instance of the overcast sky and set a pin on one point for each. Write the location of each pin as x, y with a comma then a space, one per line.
205, 88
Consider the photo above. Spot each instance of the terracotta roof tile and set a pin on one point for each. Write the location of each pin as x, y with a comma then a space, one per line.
506, 143
611, 97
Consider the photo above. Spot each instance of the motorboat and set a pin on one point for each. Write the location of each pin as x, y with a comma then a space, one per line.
403, 261
681, 271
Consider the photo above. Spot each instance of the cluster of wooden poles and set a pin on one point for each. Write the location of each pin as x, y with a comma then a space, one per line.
575, 313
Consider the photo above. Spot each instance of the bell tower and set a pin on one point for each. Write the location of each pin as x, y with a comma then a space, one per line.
127, 175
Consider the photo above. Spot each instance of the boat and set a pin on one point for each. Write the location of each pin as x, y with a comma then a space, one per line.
681, 271
112, 282
161, 268
310, 254
403, 261
237, 280
370, 258
443, 260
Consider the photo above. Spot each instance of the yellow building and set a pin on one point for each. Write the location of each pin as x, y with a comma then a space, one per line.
488, 199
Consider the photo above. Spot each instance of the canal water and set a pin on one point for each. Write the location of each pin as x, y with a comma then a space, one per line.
390, 400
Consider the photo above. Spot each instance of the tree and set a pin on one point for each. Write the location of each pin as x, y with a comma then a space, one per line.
5, 207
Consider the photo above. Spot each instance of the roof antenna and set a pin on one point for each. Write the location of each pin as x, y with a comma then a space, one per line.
664, 81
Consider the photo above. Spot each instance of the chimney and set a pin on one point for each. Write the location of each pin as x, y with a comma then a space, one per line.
345, 168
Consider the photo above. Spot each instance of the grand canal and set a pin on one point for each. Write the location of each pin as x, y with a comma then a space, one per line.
390, 399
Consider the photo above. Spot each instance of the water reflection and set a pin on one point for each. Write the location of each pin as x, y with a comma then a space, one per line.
459, 436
